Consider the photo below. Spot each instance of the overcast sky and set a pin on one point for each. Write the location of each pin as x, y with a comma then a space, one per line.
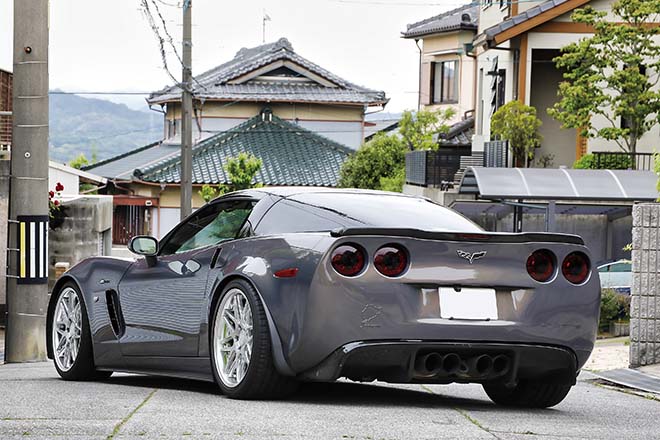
107, 46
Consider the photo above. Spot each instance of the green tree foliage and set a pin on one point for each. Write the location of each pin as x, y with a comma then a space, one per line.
517, 123
242, 169
380, 163
612, 75
79, 161
383, 156
588, 162
613, 307
418, 129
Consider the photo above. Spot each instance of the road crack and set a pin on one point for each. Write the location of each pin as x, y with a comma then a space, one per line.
466, 415
123, 421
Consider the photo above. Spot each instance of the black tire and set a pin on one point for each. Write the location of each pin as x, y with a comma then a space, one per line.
83, 368
261, 380
528, 394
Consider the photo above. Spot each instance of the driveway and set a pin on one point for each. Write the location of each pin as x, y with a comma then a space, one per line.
37, 404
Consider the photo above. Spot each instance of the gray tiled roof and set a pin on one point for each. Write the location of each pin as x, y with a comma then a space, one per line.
215, 83
492, 31
459, 134
290, 155
121, 167
465, 17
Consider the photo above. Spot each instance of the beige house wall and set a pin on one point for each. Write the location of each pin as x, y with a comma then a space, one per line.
448, 47
246, 110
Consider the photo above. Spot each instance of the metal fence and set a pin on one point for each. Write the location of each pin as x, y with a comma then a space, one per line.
608, 160
434, 168
496, 154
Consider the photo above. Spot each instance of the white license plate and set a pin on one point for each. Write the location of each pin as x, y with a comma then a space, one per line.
476, 304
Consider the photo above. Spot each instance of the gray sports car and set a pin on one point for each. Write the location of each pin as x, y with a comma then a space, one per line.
264, 288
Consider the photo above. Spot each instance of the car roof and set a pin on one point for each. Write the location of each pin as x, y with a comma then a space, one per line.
289, 191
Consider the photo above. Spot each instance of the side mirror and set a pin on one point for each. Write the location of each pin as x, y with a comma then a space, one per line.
143, 245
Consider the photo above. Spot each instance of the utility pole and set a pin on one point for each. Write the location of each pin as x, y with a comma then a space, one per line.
186, 113
27, 275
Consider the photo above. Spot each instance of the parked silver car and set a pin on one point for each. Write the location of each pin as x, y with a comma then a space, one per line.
616, 275
263, 288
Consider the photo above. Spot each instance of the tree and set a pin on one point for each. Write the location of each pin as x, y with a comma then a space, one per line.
418, 129
517, 123
383, 156
242, 169
612, 76
79, 162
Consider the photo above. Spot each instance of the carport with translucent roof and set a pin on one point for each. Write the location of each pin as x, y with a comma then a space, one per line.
500, 192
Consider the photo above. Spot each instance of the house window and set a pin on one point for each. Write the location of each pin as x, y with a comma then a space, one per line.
497, 86
444, 82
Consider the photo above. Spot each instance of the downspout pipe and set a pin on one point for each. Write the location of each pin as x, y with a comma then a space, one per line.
419, 75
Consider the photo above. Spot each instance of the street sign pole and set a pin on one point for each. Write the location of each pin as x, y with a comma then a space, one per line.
27, 272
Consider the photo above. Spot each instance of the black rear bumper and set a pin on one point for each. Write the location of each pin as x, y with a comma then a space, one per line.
446, 362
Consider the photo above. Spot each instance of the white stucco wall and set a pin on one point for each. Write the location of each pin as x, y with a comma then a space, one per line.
70, 181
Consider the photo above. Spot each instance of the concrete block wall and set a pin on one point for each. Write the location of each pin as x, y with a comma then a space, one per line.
645, 306
85, 232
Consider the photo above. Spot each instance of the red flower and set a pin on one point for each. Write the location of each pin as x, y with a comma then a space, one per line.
51, 194
59, 187
56, 203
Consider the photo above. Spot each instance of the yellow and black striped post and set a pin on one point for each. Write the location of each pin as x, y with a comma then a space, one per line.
32, 250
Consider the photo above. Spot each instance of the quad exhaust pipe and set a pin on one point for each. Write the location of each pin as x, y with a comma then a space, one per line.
434, 364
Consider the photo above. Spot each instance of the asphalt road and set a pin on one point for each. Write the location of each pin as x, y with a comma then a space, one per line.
35, 403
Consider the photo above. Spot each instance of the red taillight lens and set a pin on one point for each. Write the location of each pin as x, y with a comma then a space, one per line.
576, 267
391, 260
541, 265
348, 260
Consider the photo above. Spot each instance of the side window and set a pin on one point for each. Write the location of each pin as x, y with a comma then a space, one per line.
621, 267
286, 216
211, 225
604, 269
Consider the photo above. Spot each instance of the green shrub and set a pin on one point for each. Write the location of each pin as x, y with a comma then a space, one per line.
613, 307
607, 162
383, 156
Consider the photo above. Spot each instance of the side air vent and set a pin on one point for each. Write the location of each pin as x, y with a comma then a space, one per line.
114, 311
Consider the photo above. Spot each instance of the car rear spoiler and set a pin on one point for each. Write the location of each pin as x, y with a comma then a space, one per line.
490, 237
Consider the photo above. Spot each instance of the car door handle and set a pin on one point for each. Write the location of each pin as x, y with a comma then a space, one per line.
104, 281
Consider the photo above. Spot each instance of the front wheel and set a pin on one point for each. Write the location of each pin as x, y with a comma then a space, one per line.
528, 394
241, 351
71, 339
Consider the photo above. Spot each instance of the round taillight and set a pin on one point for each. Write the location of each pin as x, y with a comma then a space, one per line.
391, 260
541, 265
348, 260
576, 267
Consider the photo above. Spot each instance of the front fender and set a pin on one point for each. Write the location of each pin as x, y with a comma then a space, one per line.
91, 276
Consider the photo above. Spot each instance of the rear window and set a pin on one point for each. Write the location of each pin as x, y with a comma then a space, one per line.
316, 212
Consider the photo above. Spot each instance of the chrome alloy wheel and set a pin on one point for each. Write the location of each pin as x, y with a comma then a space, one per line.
232, 337
67, 329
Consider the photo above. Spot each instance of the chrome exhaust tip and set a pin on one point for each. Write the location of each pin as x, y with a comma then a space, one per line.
480, 365
428, 364
501, 364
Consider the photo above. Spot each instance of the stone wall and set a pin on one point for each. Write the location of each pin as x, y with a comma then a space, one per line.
645, 307
85, 232
4, 211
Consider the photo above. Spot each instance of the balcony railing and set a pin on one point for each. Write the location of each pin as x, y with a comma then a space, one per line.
608, 160
434, 168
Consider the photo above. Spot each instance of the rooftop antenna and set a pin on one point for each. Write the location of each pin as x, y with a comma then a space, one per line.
266, 18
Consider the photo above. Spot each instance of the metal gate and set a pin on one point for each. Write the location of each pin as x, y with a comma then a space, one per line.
129, 221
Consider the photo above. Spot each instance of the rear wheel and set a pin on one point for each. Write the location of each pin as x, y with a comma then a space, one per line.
71, 339
241, 349
528, 394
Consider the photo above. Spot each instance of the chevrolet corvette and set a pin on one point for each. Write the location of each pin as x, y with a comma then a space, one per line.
262, 289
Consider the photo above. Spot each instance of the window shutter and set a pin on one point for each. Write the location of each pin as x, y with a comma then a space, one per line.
425, 91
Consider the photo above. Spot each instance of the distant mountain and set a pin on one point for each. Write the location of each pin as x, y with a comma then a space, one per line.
96, 127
